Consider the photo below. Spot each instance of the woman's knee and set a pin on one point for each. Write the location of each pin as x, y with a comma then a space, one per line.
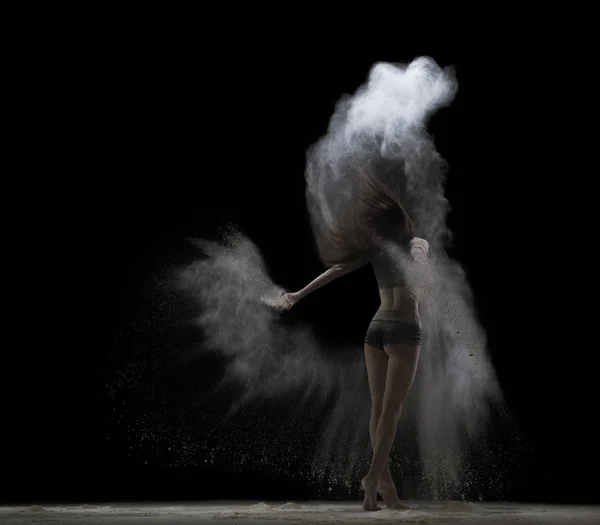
392, 413
376, 410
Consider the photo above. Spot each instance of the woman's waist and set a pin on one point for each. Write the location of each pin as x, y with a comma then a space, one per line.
397, 298
398, 314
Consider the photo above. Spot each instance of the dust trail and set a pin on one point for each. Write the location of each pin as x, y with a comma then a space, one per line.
270, 359
382, 125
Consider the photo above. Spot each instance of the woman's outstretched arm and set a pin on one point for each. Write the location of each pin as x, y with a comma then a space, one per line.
289, 299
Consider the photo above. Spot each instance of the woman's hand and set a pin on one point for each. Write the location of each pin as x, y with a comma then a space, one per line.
286, 301
281, 302
419, 248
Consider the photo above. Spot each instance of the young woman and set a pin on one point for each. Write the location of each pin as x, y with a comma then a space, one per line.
393, 339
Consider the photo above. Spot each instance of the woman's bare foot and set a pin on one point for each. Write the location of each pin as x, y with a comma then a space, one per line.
370, 488
390, 496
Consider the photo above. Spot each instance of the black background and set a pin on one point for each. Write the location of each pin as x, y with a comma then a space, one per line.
182, 131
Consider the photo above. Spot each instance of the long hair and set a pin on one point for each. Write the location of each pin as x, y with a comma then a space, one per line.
373, 215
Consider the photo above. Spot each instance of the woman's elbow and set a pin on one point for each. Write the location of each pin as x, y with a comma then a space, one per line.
338, 268
342, 268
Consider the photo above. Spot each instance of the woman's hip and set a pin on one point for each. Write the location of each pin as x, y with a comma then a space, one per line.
383, 332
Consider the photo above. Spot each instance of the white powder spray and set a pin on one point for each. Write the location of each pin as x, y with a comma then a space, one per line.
446, 414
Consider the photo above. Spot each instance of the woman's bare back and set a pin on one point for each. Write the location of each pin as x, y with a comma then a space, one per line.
399, 300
